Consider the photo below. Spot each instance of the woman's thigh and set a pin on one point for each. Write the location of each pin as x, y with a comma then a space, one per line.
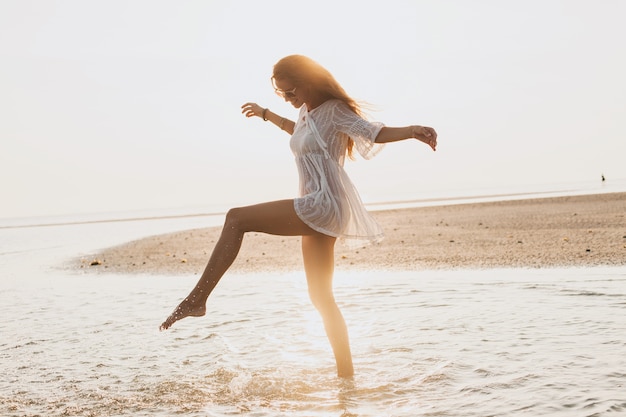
318, 257
275, 217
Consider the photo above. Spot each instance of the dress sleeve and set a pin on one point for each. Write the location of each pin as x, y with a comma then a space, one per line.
362, 132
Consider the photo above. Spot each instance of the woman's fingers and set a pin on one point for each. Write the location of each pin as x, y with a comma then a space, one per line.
251, 109
425, 134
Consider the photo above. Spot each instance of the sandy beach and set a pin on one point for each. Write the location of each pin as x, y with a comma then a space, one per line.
584, 230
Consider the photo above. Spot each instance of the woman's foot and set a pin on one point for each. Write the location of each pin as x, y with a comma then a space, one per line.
187, 308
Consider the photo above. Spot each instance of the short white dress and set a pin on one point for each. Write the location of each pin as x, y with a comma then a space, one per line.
327, 201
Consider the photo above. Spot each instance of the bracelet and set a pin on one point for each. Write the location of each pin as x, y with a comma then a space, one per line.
263, 115
282, 122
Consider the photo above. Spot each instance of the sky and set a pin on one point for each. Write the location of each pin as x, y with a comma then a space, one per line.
135, 104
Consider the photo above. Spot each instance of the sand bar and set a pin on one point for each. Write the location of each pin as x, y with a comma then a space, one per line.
587, 230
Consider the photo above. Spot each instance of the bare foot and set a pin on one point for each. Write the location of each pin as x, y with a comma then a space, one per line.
186, 308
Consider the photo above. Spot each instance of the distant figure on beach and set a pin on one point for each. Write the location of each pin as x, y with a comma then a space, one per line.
603, 179
329, 127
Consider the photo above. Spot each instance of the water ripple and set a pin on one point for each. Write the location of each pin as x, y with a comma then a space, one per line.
436, 344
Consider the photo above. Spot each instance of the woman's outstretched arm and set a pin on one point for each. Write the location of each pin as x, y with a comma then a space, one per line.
253, 109
421, 133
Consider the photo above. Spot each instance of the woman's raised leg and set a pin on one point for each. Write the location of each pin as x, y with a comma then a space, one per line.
318, 254
276, 218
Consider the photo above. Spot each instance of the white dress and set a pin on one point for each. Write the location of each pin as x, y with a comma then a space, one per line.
327, 201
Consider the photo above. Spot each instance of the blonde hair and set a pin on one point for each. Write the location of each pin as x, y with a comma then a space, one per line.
303, 71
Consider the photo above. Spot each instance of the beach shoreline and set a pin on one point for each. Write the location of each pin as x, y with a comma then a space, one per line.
569, 231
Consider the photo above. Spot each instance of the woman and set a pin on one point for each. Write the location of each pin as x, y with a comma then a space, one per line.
328, 127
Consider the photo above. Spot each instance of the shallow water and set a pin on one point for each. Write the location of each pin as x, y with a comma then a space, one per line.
509, 342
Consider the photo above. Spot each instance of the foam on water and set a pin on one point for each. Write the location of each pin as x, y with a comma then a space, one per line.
470, 343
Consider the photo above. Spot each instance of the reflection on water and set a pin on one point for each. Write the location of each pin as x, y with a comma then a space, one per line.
471, 343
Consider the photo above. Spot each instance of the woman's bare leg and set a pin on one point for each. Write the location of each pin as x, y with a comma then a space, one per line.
276, 218
318, 254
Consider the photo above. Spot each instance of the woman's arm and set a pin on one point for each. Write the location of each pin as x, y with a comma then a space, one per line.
253, 109
421, 133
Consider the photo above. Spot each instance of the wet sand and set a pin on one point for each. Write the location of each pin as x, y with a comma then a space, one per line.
585, 230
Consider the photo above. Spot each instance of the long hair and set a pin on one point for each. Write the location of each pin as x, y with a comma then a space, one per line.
303, 71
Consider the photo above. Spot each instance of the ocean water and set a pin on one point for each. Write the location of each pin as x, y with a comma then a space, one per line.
502, 342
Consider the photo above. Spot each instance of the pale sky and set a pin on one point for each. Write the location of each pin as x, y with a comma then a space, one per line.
129, 105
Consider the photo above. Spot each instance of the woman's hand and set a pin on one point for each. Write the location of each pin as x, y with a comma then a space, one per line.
252, 109
426, 135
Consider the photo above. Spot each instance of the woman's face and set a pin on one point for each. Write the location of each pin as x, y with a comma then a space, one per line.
291, 94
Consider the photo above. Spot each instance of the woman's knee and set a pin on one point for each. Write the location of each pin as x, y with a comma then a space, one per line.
235, 220
322, 300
